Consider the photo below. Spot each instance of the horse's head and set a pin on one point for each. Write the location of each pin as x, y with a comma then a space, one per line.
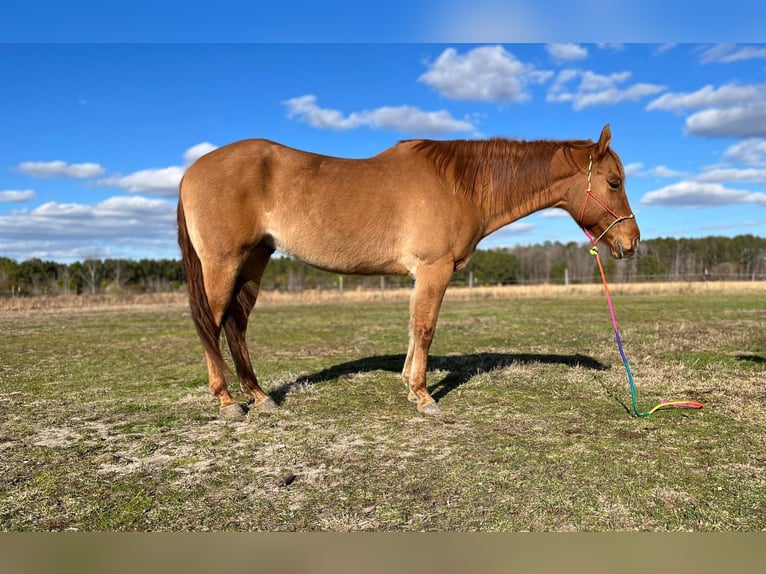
600, 204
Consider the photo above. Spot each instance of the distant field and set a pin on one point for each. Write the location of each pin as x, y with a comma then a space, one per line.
313, 296
106, 422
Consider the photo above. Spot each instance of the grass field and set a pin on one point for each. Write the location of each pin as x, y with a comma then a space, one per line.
106, 422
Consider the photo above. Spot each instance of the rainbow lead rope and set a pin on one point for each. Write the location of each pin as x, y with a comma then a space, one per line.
663, 404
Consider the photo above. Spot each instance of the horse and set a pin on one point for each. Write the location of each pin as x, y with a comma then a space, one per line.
418, 208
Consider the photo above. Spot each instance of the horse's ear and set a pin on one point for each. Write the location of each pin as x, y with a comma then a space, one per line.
604, 140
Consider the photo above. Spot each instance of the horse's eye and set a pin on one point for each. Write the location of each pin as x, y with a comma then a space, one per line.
615, 184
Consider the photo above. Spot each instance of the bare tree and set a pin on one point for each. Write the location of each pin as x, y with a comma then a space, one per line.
91, 274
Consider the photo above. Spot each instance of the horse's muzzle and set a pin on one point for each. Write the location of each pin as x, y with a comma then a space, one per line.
619, 251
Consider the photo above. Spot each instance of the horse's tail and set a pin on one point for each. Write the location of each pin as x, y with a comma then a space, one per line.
207, 329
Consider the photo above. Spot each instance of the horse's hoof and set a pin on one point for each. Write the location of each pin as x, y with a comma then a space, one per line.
267, 404
430, 409
413, 398
232, 412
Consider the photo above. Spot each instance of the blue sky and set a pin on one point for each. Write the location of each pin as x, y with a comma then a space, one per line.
97, 135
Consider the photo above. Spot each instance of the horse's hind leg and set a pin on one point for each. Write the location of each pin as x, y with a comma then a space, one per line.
220, 278
235, 324
229, 408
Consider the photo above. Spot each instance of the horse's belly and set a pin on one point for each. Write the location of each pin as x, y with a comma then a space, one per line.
347, 253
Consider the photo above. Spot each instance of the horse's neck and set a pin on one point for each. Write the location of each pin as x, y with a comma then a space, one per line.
524, 204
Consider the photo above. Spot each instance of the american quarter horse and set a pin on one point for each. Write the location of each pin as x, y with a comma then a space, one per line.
418, 208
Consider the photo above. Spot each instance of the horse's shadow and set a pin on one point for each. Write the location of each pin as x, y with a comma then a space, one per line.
460, 369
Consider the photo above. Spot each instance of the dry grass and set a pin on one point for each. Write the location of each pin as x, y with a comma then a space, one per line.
319, 296
87, 302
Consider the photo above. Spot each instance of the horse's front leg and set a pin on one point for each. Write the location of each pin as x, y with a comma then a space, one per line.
430, 284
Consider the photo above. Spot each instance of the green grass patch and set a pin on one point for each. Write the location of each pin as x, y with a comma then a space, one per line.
106, 422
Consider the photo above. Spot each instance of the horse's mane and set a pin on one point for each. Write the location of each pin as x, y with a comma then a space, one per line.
498, 172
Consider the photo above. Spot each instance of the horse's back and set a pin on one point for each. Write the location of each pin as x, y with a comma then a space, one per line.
262, 176
375, 215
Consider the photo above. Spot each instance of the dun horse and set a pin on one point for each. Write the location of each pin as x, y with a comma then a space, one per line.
418, 208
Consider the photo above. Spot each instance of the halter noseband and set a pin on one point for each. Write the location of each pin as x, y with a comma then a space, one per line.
589, 192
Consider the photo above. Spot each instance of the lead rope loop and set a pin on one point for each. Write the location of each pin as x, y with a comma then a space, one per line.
663, 404
594, 251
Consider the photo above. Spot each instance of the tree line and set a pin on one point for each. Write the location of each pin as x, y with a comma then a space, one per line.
663, 259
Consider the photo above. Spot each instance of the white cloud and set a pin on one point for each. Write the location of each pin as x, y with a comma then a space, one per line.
633, 168
516, 228
135, 206
55, 209
591, 81
486, 74
16, 195
306, 109
707, 96
59, 168
399, 118
71, 230
597, 89
636, 169
553, 213
557, 92
663, 171
742, 120
410, 119
197, 151
567, 51
751, 151
123, 207
129, 224
731, 110
708, 187
727, 53
163, 181
722, 175
701, 194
